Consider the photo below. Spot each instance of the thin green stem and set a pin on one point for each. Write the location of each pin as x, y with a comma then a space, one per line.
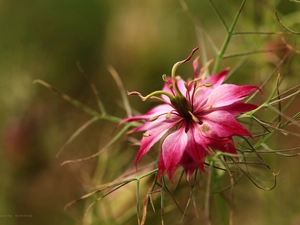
259, 32
207, 196
147, 174
227, 39
78, 104
169, 95
162, 200
121, 88
285, 27
251, 52
198, 29
219, 15
138, 200
112, 141
94, 89
77, 132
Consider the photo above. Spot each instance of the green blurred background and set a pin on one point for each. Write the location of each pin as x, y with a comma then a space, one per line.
141, 39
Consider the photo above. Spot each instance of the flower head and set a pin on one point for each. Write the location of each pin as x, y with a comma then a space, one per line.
194, 118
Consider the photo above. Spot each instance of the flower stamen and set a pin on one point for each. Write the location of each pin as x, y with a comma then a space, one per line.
153, 118
168, 116
146, 135
194, 118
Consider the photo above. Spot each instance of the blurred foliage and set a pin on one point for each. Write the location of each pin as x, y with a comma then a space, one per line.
141, 40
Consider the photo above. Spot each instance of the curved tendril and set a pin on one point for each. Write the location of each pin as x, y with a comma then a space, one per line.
193, 93
174, 68
151, 94
170, 96
176, 65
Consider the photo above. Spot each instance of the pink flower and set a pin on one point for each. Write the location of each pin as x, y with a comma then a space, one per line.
194, 118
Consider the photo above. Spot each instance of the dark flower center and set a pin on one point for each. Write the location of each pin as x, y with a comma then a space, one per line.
182, 106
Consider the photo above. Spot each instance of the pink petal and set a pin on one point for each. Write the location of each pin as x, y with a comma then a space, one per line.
181, 86
195, 147
216, 79
148, 126
188, 164
222, 124
133, 118
166, 88
152, 125
237, 108
158, 110
163, 108
228, 94
223, 145
202, 93
172, 150
155, 134
200, 97
196, 67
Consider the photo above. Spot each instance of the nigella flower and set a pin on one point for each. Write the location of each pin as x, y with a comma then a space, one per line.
195, 118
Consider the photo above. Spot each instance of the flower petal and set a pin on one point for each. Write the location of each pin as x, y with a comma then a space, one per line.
201, 95
157, 110
180, 84
172, 150
188, 164
195, 147
154, 135
228, 94
237, 108
166, 88
217, 79
223, 145
196, 67
222, 124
